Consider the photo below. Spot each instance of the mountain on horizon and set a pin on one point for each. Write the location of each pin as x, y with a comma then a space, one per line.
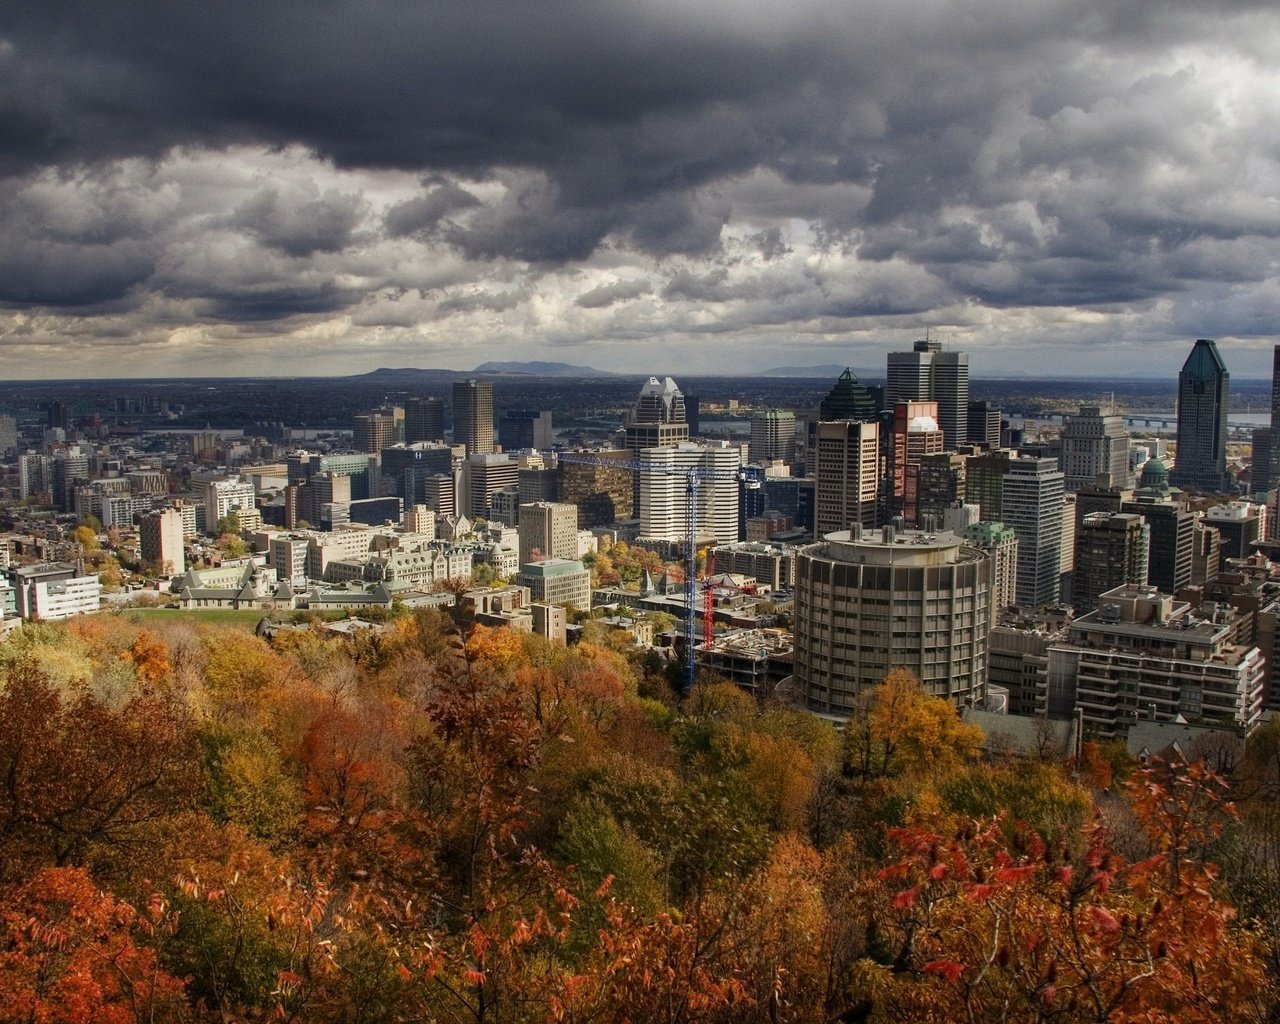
540, 368
824, 370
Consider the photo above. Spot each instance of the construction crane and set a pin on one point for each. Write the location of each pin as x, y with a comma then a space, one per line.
693, 478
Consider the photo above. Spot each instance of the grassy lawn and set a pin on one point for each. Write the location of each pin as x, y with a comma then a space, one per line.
246, 618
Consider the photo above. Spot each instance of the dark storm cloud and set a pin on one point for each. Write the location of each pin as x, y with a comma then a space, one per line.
824, 162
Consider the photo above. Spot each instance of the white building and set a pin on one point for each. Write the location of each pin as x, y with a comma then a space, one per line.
1033, 509
54, 592
665, 478
222, 497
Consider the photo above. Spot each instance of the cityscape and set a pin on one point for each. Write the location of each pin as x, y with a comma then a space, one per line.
595, 513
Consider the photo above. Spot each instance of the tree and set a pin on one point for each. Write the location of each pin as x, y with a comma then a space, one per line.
82, 778
980, 927
230, 523
72, 953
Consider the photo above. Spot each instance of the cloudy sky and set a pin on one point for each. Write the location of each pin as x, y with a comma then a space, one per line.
329, 186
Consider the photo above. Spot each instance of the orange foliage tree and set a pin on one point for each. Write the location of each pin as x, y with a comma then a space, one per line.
72, 954
983, 929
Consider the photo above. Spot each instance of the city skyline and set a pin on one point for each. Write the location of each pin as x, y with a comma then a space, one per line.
287, 190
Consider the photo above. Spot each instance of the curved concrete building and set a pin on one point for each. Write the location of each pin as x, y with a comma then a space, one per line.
868, 601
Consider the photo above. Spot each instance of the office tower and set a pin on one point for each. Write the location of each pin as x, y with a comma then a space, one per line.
540, 484
984, 424
521, 429
1111, 551
663, 480
846, 474
548, 530
1172, 527
1273, 473
1260, 476
1203, 391
984, 482
59, 419
1000, 544
1033, 509
362, 467
915, 434
927, 374
773, 436
473, 415
658, 418
486, 474
602, 492
160, 541
440, 494
423, 420
8, 435
847, 400
942, 481
372, 431
1239, 523
69, 468
1095, 449
558, 581
323, 489
1206, 554
865, 604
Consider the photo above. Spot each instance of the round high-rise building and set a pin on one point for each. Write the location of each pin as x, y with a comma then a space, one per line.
868, 601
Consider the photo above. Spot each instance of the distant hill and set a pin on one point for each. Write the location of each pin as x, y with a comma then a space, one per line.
538, 368
825, 370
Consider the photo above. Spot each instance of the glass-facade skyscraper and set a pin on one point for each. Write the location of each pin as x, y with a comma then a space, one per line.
1203, 391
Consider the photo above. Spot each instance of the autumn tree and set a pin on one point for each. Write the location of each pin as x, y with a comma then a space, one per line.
70, 952
84, 779
983, 928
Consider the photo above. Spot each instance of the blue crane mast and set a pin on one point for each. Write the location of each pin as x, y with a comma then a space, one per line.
693, 478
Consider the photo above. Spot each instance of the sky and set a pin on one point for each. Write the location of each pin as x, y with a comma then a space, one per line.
1058, 187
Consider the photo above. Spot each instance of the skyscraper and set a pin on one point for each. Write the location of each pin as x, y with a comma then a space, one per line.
927, 374
1095, 444
846, 472
548, 530
915, 434
1203, 391
423, 420
373, 431
657, 419
773, 436
1111, 551
473, 415
1033, 509
1273, 474
664, 492
525, 428
847, 400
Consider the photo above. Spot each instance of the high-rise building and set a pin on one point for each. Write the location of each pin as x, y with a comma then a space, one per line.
664, 492
658, 417
1273, 471
927, 374
846, 470
915, 435
1095, 444
160, 541
602, 492
1000, 544
865, 604
423, 420
1033, 509
984, 482
1111, 551
520, 429
473, 415
222, 497
847, 400
984, 424
1260, 478
1172, 527
942, 483
548, 530
373, 431
773, 436
1203, 391
485, 475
